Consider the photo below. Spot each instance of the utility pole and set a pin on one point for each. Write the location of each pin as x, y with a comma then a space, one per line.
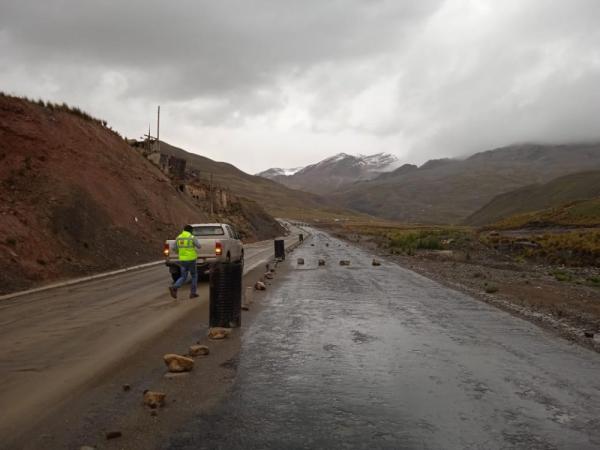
211, 194
158, 129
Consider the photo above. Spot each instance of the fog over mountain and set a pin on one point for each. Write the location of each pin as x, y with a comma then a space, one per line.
283, 84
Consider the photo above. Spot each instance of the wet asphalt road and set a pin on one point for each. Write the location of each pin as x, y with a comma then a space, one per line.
381, 357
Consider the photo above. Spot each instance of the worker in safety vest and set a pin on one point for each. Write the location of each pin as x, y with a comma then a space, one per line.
186, 247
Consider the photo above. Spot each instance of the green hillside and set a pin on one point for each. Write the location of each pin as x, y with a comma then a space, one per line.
537, 197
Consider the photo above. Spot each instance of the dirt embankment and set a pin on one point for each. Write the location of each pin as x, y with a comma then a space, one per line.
75, 198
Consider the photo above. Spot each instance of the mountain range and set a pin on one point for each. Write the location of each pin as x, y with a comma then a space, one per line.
334, 172
560, 191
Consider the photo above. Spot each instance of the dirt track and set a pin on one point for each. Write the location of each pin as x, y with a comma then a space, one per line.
53, 344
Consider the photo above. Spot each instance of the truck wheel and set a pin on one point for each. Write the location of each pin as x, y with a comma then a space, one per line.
228, 258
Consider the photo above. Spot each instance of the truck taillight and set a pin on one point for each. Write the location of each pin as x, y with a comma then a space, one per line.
166, 249
218, 249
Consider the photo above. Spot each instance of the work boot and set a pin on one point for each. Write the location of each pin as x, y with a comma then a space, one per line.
173, 292
194, 295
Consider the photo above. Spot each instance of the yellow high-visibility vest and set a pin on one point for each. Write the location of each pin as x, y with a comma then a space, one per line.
186, 247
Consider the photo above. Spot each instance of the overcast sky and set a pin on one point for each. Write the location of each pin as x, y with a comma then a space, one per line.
287, 83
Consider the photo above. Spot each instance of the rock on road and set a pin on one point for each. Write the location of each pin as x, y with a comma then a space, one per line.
54, 342
381, 357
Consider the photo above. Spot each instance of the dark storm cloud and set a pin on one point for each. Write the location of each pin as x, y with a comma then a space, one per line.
190, 48
288, 82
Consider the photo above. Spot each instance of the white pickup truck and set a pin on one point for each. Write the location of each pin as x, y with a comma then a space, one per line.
219, 242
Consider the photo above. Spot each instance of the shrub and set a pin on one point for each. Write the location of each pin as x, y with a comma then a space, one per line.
491, 289
561, 275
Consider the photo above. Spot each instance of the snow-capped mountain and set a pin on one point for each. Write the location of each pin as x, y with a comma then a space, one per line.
334, 172
276, 172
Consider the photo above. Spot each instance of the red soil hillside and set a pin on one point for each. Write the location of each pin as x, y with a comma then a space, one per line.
76, 199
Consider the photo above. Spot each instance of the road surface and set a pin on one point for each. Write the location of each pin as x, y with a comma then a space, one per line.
54, 342
381, 357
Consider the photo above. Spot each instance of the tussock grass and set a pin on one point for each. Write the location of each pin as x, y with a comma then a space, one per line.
61, 107
405, 238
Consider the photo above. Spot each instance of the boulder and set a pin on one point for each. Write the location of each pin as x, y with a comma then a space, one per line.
344, 262
321, 262
154, 399
300, 261
376, 263
178, 363
260, 286
217, 333
198, 350
269, 275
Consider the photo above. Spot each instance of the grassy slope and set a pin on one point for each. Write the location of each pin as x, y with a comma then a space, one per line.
578, 186
584, 213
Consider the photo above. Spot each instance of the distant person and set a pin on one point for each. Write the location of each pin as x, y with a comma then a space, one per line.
186, 245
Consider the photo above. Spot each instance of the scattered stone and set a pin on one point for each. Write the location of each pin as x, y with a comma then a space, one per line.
269, 275
178, 363
198, 350
126, 387
300, 261
321, 262
589, 334
154, 399
217, 333
376, 263
113, 434
245, 308
260, 286
312, 245
326, 244
344, 262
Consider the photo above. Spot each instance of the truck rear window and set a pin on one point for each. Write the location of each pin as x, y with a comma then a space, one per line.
208, 231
